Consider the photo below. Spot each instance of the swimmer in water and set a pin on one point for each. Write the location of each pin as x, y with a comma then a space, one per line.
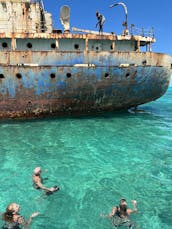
13, 220
122, 210
38, 182
120, 214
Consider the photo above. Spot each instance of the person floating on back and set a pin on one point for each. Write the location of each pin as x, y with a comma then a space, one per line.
13, 220
38, 182
101, 21
120, 214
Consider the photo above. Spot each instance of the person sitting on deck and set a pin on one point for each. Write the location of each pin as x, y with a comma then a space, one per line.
38, 182
13, 220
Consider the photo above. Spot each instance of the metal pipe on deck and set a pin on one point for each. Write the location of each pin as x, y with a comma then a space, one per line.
125, 24
89, 31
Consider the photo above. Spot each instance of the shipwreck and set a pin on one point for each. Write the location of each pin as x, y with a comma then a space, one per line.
49, 72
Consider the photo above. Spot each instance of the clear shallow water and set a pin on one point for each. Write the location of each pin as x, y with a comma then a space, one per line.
95, 161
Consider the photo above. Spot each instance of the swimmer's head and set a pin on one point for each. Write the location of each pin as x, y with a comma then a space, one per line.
122, 202
13, 208
37, 170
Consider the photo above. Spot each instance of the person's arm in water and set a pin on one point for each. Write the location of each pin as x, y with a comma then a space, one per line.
134, 210
112, 212
25, 223
31, 217
41, 186
38, 181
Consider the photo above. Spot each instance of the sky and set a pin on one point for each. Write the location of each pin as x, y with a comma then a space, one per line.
143, 14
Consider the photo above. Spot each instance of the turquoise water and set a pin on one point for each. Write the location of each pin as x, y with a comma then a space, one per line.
95, 161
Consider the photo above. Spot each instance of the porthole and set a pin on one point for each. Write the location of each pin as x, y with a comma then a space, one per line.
68, 75
76, 46
2, 76
127, 74
106, 74
19, 76
4, 44
53, 45
97, 48
144, 62
29, 45
52, 75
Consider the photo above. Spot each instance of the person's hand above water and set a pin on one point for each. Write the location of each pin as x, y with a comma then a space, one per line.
53, 189
34, 214
134, 202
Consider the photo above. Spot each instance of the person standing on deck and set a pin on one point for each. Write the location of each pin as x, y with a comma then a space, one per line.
101, 21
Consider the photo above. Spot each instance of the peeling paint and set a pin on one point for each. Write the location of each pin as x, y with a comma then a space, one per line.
47, 73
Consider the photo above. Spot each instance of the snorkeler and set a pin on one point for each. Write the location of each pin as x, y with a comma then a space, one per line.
38, 182
13, 220
120, 214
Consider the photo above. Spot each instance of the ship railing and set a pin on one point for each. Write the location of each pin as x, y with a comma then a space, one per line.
142, 31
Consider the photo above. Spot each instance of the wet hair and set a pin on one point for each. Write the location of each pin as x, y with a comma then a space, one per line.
8, 215
122, 201
123, 207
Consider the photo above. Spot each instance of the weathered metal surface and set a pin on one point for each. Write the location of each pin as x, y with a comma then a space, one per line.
43, 73
24, 17
81, 36
68, 89
67, 58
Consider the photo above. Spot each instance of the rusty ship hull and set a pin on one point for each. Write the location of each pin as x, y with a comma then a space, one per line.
62, 84
47, 73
